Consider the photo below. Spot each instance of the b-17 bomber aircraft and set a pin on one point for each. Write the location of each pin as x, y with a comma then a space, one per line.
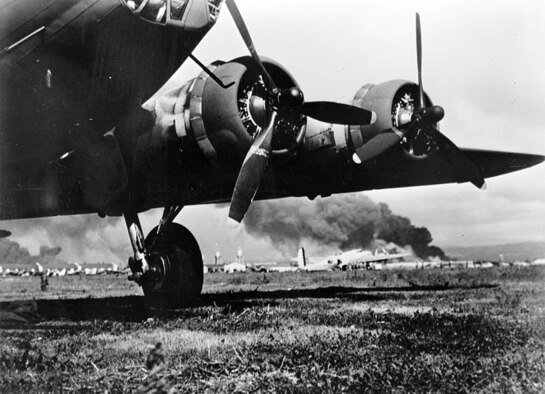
79, 133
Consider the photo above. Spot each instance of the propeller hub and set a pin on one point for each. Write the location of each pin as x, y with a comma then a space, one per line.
437, 113
290, 98
430, 115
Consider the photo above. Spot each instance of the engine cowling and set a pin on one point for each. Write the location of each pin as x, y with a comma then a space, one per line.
225, 121
240, 111
394, 103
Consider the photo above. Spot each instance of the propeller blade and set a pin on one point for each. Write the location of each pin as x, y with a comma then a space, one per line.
251, 172
327, 111
376, 145
457, 158
243, 30
423, 118
419, 59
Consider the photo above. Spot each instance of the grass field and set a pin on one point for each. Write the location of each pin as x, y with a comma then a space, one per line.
361, 331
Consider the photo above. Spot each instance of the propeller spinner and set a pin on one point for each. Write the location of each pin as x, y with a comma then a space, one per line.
279, 101
422, 119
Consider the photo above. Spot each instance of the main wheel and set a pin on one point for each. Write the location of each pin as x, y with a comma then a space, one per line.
176, 267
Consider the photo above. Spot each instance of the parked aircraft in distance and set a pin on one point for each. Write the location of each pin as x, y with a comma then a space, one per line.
273, 266
355, 258
75, 137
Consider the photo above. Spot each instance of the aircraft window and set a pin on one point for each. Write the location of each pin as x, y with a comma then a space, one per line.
151, 10
214, 9
199, 12
177, 8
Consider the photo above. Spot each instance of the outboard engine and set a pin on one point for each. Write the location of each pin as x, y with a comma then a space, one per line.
394, 102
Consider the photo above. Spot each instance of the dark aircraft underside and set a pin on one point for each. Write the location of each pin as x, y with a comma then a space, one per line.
75, 138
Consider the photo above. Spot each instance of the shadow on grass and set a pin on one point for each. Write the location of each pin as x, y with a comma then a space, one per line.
359, 293
136, 308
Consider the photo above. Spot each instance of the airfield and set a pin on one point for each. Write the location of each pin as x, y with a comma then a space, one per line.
426, 330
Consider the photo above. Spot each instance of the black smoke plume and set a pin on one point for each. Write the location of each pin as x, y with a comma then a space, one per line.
340, 222
12, 254
399, 230
330, 222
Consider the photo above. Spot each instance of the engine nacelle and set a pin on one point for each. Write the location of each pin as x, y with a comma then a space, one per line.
394, 103
225, 121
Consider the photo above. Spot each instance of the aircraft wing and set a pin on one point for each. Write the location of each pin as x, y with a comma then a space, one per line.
74, 137
381, 257
318, 267
395, 168
494, 163
372, 258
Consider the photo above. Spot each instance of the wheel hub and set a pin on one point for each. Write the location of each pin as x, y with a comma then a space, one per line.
160, 269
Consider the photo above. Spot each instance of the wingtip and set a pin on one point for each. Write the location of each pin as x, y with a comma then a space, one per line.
494, 163
539, 159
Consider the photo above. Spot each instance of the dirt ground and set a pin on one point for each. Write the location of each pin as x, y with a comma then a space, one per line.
467, 330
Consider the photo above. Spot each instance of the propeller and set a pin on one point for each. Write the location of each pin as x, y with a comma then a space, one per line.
278, 101
457, 158
422, 119
251, 172
245, 33
419, 60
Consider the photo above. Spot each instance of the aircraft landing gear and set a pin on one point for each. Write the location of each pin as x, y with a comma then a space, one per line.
176, 268
168, 263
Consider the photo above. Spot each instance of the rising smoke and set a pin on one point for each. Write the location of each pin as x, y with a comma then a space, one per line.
12, 254
48, 254
339, 222
323, 226
84, 238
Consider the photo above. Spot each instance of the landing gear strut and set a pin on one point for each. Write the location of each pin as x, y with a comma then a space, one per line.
168, 263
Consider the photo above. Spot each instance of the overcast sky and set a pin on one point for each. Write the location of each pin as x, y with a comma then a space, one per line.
483, 62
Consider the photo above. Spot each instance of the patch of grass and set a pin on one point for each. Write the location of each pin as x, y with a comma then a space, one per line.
304, 332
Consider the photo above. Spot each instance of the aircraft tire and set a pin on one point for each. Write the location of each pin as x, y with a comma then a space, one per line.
182, 261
